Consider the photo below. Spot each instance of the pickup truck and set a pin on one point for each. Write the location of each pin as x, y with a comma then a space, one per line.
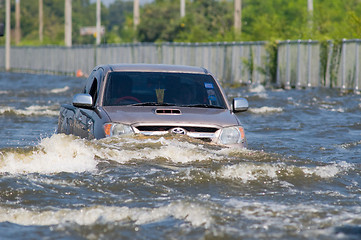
153, 99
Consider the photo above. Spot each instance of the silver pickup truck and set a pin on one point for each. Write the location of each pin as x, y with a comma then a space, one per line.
153, 99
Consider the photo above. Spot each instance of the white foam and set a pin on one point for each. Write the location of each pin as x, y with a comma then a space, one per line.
257, 88
330, 107
59, 153
350, 145
195, 214
328, 171
38, 110
171, 149
330, 193
252, 171
340, 110
63, 153
266, 110
308, 220
32, 110
6, 109
60, 90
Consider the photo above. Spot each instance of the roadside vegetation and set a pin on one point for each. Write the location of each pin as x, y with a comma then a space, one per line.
205, 21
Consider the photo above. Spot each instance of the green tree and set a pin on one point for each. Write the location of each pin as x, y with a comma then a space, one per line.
337, 19
205, 21
158, 21
276, 19
120, 23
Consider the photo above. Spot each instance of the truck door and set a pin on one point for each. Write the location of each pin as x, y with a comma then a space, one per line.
83, 123
84, 118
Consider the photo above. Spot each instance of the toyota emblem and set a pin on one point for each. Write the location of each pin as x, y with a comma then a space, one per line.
178, 130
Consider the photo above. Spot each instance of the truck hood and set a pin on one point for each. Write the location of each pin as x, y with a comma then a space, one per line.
171, 115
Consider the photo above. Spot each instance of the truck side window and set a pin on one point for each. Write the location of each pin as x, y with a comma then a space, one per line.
93, 90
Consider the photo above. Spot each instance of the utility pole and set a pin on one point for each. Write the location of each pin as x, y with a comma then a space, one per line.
68, 23
136, 17
310, 6
310, 14
41, 23
98, 34
237, 16
7, 35
182, 8
17, 22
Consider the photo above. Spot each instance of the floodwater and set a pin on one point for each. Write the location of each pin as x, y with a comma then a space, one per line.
299, 179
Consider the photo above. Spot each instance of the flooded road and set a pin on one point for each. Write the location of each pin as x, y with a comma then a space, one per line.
299, 179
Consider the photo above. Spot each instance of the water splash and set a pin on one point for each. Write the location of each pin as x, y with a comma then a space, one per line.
34, 110
266, 110
193, 213
71, 154
60, 90
280, 171
59, 153
173, 149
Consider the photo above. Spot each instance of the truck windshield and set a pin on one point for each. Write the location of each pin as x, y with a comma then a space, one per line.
159, 88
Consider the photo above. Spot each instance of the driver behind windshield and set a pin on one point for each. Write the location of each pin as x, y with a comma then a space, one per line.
120, 91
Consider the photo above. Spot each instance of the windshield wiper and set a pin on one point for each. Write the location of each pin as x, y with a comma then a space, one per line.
203, 106
152, 104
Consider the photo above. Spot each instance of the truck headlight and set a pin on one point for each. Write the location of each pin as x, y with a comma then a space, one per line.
116, 129
231, 135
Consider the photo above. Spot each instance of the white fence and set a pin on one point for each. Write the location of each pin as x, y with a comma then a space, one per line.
299, 63
229, 62
311, 64
344, 65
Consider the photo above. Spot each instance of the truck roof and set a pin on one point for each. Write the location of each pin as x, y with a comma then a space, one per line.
155, 68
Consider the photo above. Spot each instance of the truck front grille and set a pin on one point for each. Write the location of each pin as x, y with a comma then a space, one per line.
203, 133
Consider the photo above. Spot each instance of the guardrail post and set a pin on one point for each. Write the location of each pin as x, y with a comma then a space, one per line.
309, 62
298, 70
258, 57
288, 69
327, 82
240, 63
343, 66
278, 66
357, 67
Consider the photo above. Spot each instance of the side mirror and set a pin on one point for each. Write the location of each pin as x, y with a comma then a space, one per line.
240, 105
83, 100
1, 29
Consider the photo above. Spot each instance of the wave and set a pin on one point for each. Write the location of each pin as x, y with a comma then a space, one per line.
31, 92
174, 149
265, 110
59, 153
64, 153
60, 90
350, 145
332, 108
192, 213
247, 172
308, 219
34, 110
258, 88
